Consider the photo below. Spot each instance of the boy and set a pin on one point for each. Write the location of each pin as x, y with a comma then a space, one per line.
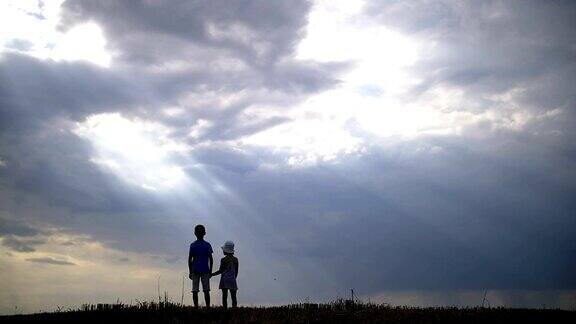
200, 265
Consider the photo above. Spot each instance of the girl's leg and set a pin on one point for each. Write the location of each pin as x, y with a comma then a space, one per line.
233, 295
225, 298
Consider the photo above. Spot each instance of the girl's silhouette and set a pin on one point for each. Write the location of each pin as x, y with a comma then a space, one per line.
228, 271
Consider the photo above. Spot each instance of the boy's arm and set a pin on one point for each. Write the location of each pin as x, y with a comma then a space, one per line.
190, 258
211, 262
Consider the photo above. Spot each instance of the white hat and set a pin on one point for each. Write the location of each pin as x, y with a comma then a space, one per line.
228, 247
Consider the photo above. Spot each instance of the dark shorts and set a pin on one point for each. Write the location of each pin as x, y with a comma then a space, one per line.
197, 277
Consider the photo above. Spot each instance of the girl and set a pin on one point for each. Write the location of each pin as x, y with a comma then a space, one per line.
229, 271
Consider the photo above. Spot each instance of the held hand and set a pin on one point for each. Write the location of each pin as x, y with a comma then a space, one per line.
190, 275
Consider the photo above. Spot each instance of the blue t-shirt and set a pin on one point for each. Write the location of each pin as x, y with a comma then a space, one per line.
200, 250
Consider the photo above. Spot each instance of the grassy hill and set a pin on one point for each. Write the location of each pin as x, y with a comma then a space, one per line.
336, 312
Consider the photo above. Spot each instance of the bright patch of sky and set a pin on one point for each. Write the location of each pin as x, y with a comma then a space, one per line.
137, 151
364, 108
367, 105
30, 26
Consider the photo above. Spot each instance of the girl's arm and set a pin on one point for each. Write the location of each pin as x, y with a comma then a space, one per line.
236, 264
219, 270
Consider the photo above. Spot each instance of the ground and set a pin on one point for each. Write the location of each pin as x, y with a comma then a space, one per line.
335, 312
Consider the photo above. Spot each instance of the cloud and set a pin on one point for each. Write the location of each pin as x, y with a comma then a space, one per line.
255, 31
486, 205
47, 260
20, 45
16, 227
490, 48
424, 219
62, 90
19, 236
20, 244
215, 61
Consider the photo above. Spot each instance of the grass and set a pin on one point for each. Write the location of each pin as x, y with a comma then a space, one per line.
339, 311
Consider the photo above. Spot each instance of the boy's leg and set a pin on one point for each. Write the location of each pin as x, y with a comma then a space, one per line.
206, 288
195, 298
195, 289
225, 298
207, 297
233, 296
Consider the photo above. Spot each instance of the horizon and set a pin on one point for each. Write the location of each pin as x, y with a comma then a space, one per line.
420, 153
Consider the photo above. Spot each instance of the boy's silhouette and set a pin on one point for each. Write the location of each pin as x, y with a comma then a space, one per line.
200, 265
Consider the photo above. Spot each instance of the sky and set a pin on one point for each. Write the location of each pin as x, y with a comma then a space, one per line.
419, 152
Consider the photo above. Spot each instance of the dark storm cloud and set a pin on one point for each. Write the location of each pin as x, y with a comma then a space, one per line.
258, 35
50, 261
20, 244
19, 236
34, 91
142, 29
16, 227
490, 47
54, 164
229, 158
471, 216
